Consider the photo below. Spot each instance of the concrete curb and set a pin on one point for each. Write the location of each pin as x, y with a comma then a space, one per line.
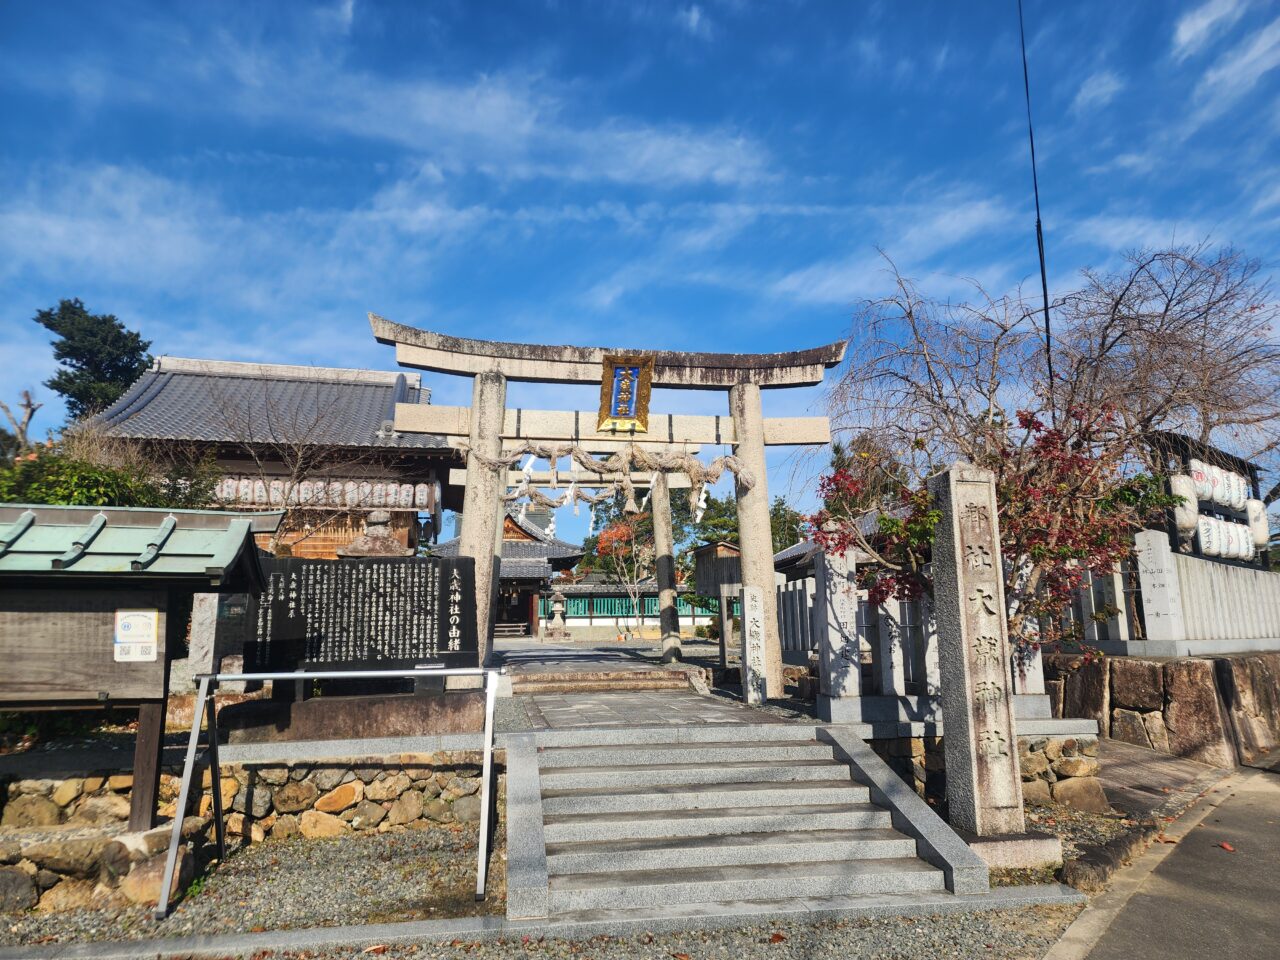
937, 843
490, 928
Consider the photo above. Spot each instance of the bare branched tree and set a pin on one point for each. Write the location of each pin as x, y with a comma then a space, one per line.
288, 441
1182, 340
21, 422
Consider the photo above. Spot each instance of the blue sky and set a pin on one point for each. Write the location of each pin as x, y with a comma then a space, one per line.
245, 181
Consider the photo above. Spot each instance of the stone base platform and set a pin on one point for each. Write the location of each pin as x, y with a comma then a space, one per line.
1016, 851
329, 718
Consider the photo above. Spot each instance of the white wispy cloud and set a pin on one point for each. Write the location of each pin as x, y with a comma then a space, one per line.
911, 234
510, 126
1236, 73
695, 22
1098, 90
1197, 27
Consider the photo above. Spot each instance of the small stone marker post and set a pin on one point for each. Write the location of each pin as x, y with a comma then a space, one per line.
835, 613
984, 783
754, 688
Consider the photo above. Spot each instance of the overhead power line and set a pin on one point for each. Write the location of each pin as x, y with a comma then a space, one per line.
1035, 186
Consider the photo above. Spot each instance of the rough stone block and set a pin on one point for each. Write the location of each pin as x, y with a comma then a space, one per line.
17, 890
79, 857
1127, 727
103, 809
406, 809
389, 788
1036, 791
286, 826
366, 815
341, 797
66, 791
120, 782
296, 796
313, 824
144, 882
1076, 767
1136, 684
253, 800
30, 811
67, 895
1083, 793
1250, 688
1194, 715
1034, 766
467, 809
1088, 692
1154, 724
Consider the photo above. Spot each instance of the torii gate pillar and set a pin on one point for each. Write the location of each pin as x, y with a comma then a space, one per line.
755, 538
482, 505
665, 563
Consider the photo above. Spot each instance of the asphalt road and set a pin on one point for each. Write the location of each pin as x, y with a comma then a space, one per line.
1205, 901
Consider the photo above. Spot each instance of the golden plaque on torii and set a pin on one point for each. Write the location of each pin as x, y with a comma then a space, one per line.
624, 393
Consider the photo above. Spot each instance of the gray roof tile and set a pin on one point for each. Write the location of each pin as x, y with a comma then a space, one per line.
219, 401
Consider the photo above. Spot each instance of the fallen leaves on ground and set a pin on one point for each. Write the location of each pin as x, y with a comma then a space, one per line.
1227, 847
378, 949
778, 938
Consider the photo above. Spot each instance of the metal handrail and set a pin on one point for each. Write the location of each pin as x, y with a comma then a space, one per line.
208, 684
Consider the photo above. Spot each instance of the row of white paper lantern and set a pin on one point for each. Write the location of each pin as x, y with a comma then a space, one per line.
333, 493
1220, 538
1219, 486
1186, 516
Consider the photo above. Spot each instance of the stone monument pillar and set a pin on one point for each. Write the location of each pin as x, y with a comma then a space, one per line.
755, 535
755, 686
665, 563
984, 783
1161, 592
835, 626
482, 504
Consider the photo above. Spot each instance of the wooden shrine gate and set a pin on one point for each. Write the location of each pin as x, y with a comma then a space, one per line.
488, 430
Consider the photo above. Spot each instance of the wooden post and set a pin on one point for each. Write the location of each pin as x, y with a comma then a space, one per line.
665, 562
725, 615
148, 748
755, 536
482, 504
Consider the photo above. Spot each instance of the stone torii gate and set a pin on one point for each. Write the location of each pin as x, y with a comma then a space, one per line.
487, 424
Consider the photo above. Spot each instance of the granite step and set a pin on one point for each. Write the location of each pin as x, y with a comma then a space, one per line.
598, 686
655, 774
705, 753
571, 827
642, 888
701, 796
735, 849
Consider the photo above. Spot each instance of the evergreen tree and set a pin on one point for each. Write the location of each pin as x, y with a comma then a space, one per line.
786, 524
100, 358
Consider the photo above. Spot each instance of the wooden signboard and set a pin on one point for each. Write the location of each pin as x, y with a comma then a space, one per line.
78, 645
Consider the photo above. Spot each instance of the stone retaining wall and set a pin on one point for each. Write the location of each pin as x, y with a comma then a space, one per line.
1054, 769
63, 843
1217, 710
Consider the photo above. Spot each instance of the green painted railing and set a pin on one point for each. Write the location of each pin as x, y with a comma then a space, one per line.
611, 607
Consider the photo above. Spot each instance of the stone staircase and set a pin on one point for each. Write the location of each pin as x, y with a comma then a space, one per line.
597, 681
755, 814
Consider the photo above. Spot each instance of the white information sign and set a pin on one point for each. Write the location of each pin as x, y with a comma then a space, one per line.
137, 635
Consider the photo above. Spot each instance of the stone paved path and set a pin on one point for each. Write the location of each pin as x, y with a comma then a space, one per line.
641, 708
1140, 781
